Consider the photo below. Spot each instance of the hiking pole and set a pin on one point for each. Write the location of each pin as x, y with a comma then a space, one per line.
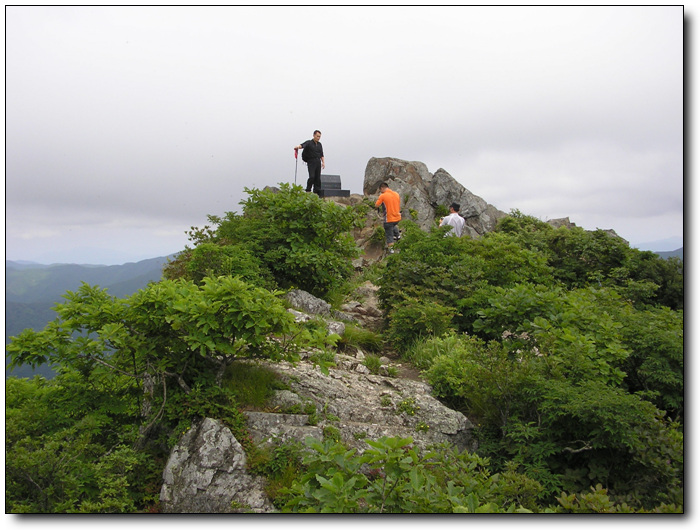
296, 163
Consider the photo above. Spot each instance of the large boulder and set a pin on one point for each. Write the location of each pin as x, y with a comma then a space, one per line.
206, 473
422, 192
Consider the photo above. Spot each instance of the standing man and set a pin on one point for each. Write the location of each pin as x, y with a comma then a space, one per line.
454, 220
392, 213
312, 154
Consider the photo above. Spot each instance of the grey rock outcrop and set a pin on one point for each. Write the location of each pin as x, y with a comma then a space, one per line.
309, 306
562, 221
360, 406
566, 223
364, 307
206, 473
422, 192
308, 303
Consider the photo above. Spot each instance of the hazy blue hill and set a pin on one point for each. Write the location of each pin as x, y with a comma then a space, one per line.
32, 289
47, 283
19, 316
678, 253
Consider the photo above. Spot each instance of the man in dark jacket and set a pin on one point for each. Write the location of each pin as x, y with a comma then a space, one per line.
312, 154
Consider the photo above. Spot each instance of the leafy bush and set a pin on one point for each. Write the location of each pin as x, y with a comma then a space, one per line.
210, 259
393, 477
358, 337
571, 328
302, 240
417, 319
562, 432
69, 448
422, 353
580, 258
430, 267
655, 366
444, 270
163, 341
574, 359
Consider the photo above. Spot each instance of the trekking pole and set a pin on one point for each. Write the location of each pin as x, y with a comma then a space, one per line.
296, 163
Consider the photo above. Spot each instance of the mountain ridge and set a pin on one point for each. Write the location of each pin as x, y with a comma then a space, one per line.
32, 290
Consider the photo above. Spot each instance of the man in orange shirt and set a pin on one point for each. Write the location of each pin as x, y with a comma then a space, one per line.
392, 213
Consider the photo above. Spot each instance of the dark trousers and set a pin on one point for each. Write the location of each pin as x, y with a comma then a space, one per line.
314, 175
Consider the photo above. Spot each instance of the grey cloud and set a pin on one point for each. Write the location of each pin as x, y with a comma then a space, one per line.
126, 116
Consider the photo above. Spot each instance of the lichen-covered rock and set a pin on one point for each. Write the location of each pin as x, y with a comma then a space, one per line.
365, 308
206, 473
308, 303
422, 192
361, 406
308, 306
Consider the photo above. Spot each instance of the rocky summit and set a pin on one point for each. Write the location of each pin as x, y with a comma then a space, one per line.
423, 192
207, 473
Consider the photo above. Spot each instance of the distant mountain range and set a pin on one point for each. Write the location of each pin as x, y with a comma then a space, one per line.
32, 289
678, 253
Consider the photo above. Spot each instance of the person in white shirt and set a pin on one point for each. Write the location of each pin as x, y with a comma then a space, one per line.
454, 220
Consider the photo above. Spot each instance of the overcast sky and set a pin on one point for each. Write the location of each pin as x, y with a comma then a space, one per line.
125, 126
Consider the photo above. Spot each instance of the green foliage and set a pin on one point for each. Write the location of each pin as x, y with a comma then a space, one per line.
417, 319
655, 368
562, 429
143, 368
210, 259
423, 352
441, 211
598, 501
481, 378
205, 401
391, 476
564, 347
430, 267
378, 235
297, 238
280, 463
444, 270
175, 327
571, 329
68, 449
372, 363
632, 449
358, 337
580, 258
407, 406
250, 383
306, 243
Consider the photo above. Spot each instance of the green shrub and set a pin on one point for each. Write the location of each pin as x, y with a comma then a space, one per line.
563, 432
362, 338
372, 363
303, 240
417, 319
391, 476
251, 384
298, 239
655, 366
209, 259
422, 352
70, 448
